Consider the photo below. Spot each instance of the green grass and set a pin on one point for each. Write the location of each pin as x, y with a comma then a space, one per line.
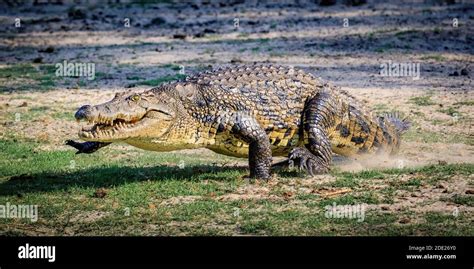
422, 100
147, 193
380, 108
29, 77
134, 78
172, 67
158, 81
465, 103
383, 48
438, 58
416, 135
33, 77
467, 200
451, 111
406, 32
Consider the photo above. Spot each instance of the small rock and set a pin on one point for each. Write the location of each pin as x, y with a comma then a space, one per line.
454, 74
404, 220
100, 193
469, 191
327, 2
356, 2
179, 36
209, 31
38, 60
199, 35
236, 60
440, 162
464, 72
384, 207
76, 14
47, 50
156, 21
288, 194
24, 104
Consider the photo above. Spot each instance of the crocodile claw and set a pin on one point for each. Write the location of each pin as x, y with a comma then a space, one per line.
307, 161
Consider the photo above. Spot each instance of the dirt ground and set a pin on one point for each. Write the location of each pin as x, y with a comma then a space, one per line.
163, 38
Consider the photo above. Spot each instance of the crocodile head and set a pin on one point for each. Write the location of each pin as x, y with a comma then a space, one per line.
127, 116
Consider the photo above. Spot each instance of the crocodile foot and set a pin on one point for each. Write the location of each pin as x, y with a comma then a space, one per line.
307, 161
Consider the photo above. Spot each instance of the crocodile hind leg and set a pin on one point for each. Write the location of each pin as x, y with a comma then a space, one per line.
246, 128
318, 116
86, 147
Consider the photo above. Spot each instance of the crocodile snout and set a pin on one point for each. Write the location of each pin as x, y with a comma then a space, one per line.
83, 112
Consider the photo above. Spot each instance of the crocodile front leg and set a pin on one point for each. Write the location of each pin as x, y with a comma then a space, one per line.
86, 147
246, 128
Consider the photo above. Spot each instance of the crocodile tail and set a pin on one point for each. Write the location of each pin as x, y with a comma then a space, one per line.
401, 124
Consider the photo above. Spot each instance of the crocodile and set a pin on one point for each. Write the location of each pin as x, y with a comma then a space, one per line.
254, 111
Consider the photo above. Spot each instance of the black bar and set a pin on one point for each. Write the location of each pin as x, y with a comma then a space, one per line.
282, 250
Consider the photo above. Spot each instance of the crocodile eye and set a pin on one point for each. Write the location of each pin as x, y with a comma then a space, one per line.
135, 97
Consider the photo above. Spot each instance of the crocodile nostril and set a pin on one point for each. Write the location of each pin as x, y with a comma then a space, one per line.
82, 112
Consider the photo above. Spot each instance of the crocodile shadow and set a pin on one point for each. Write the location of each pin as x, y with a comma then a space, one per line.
106, 177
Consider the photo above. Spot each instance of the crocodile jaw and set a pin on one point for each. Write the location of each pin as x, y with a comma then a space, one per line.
114, 130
